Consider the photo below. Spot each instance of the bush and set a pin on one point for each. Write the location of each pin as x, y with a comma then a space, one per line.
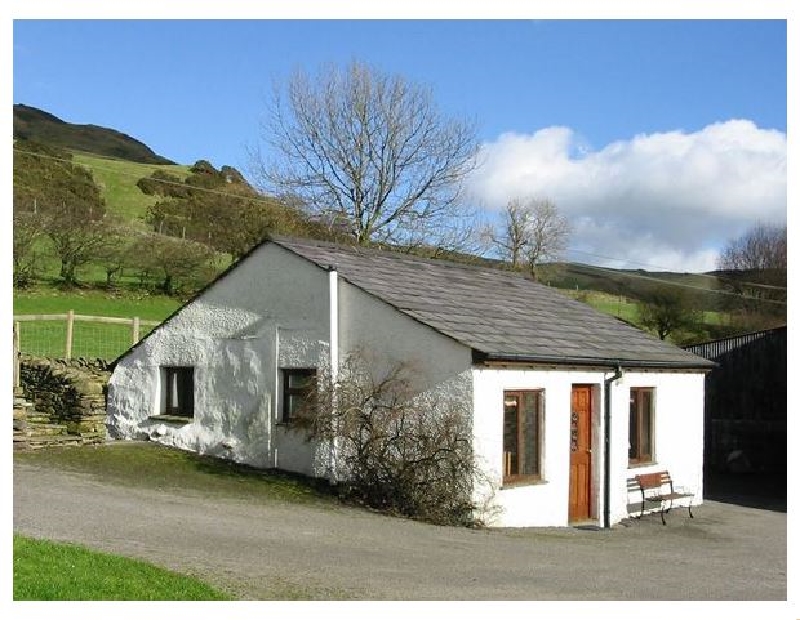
397, 449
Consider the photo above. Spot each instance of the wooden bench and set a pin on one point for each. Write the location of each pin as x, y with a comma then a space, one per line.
657, 487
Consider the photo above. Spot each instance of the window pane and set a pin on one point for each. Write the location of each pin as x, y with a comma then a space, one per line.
299, 379
633, 429
186, 391
641, 425
297, 386
647, 415
530, 430
510, 434
179, 390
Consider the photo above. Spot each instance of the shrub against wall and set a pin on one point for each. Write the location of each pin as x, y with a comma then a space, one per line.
398, 450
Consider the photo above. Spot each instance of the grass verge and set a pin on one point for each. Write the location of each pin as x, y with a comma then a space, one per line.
49, 571
152, 466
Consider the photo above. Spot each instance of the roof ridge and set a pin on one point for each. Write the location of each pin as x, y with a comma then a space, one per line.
390, 252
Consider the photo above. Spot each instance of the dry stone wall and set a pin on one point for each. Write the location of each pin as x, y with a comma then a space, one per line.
62, 403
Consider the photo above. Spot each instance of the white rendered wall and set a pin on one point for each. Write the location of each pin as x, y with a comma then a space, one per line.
544, 503
228, 335
678, 435
368, 323
678, 441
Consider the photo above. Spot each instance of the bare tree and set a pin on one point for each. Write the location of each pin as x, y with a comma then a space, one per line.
762, 247
114, 254
754, 266
180, 265
370, 149
532, 231
29, 231
77, 233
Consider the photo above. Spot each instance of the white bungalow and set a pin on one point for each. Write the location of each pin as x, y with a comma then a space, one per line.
567, 403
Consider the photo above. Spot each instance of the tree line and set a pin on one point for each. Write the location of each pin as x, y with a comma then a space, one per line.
60, 213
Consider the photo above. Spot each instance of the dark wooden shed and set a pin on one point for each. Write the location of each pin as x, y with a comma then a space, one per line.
745, 405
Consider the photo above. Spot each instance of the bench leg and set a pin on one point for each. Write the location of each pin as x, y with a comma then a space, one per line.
663, 520
691, 516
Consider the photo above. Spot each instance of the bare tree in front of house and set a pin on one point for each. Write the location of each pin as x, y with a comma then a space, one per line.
398, 450
369, 149
532, 231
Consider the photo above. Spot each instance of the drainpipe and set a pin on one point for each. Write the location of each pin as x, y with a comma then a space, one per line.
333, 346
607, 446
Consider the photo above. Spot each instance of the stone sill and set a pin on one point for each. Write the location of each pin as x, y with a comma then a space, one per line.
171, 419
522, 482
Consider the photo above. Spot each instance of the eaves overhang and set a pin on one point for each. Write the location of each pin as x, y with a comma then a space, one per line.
516, 359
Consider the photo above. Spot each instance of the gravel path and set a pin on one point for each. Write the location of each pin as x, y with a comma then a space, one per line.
265, 550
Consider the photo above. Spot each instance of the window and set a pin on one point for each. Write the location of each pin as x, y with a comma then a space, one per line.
522, 435
640, 439
178, 391
297, 384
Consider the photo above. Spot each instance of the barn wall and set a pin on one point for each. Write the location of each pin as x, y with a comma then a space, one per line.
746, 403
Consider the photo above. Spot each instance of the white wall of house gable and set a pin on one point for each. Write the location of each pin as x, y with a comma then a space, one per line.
228, 335
441, 365
367, 323
678, 440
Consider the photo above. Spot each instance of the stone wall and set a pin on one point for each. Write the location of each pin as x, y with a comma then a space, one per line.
63, 403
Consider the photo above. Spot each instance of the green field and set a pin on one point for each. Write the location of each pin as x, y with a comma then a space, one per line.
49, 571
90, 340
117, 179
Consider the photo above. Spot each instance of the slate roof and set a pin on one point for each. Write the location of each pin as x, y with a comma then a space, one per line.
499, 314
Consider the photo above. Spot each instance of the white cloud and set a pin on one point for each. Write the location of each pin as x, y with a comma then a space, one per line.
669, 199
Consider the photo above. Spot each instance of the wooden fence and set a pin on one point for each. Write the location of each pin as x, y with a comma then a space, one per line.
65, 347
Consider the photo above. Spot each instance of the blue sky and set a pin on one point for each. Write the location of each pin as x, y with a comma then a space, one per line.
659, 139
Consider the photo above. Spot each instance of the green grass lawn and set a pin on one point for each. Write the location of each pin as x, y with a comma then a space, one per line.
150, 465
45, 300
49, 571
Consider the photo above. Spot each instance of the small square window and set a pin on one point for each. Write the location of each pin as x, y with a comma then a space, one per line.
178, 391
297, 386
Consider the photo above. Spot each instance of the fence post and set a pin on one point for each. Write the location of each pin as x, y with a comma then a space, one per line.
16, 355
70, 323
135, 330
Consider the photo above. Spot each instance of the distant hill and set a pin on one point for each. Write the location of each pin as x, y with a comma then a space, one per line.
34, 124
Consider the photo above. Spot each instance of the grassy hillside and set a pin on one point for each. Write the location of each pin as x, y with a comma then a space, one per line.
34, 124
117, 178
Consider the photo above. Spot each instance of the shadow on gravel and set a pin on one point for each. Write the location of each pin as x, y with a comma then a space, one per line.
763, 491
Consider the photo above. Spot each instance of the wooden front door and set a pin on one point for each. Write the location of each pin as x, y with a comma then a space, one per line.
580, 455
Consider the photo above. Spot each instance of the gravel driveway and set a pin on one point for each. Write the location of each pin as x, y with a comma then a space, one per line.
262, 550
